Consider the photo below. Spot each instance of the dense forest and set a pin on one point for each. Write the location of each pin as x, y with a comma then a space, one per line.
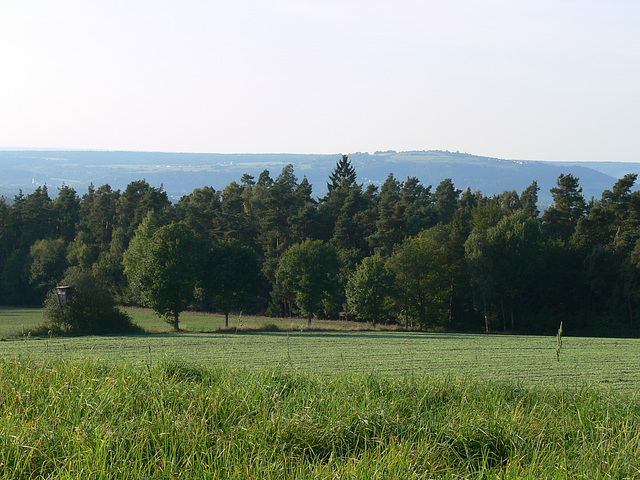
401, 253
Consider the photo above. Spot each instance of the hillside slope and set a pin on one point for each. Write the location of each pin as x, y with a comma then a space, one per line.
181, 173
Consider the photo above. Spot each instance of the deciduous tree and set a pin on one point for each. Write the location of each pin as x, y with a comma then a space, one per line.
231, 276
310, 270
166, 270
369, 290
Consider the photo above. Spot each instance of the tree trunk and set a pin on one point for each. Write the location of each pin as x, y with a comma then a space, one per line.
504, 317
486, 316
513, 324
309, 321
175, 321
226, 319
451, 302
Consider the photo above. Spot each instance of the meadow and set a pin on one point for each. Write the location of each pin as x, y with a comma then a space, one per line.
19, 321
326, 402
603, 363
91, 419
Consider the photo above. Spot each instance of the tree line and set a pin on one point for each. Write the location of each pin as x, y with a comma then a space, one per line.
401, 253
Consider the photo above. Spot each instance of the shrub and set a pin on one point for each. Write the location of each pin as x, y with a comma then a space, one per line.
92, 310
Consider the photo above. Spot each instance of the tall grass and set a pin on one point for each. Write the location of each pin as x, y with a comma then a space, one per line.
90, 419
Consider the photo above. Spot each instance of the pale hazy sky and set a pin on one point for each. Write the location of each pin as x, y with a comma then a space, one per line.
525, 79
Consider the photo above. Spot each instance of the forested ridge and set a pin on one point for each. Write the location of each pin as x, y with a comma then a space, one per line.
402, 253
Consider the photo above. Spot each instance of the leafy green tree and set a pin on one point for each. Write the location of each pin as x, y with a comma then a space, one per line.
369, 290
481, 272
92, 311
165, 270
81, 254
14, 283
48, 263
232, 275
7, 236
514, 246
468, 201
502, 261
310, 271
422, 279
135, 256
452, 237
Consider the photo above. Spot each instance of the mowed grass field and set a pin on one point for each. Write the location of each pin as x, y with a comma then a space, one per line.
19, 321
314, 404
601, 363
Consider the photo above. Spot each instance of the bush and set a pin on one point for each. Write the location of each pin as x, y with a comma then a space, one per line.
92, 310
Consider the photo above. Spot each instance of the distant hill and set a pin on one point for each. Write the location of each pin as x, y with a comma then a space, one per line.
181, 173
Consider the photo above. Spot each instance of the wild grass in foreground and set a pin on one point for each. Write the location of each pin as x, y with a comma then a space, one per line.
69, 419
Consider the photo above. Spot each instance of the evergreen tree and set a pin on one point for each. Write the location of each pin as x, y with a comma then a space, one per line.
341, 187
343, 175
34, 217
202, 211
135, 202
560, 220
390, 223
66, 209
529, 200
98, 216
446, 200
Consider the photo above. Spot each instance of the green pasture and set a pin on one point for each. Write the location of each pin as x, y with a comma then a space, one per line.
313, 403
19, 321
65, 419
530, 360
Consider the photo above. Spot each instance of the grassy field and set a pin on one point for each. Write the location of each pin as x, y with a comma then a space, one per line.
89, 419
314, 404
19, 321
609, 364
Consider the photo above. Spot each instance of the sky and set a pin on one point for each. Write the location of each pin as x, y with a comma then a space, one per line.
517, 79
